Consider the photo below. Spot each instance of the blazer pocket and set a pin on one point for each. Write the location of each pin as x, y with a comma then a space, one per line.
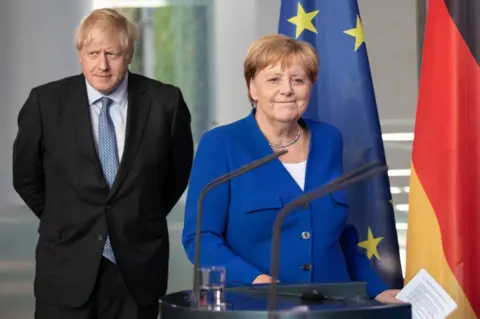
340, 198
49, 231
259, 203
157, 228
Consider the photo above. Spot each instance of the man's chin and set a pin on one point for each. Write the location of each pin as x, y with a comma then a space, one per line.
103, 88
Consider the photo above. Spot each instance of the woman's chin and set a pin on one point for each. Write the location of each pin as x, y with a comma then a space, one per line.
287, 117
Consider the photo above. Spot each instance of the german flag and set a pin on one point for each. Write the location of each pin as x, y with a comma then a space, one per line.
444, 216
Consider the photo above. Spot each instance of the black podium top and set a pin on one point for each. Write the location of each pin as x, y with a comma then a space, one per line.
346, 301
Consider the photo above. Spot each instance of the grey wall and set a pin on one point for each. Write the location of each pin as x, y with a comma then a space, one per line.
235, 28
390, 31
3, 116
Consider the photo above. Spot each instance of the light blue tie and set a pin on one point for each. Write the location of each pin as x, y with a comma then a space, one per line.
108, 153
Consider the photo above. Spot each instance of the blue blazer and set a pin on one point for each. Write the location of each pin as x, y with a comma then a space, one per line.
317, 244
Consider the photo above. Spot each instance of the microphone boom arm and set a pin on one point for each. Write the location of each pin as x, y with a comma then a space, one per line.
212, 184
358, 175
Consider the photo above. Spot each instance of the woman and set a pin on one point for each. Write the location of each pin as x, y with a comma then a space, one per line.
317, 245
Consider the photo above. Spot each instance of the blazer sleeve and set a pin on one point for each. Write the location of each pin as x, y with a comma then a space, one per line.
180, 153
358, 264
28, 174
210, 162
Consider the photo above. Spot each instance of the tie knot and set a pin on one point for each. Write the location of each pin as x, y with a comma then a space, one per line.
106, 101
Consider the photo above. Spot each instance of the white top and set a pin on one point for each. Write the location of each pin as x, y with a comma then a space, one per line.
298, 171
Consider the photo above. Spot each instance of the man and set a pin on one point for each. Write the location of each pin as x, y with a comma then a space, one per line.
101, 158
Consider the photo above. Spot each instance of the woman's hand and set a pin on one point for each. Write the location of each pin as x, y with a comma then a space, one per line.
262, 279
388, 296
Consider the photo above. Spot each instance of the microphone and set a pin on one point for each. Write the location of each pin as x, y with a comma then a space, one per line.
357, 175
212, 184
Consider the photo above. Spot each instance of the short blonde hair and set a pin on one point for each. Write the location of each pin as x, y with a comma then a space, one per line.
108, 20
272, 49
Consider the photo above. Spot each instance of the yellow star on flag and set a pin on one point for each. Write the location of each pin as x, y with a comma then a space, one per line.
357, 33
371, 245
303, 20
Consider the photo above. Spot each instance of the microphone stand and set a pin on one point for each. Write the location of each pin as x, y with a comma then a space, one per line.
356, 176
212, 184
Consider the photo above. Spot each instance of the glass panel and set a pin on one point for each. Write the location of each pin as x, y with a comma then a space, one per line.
174, 48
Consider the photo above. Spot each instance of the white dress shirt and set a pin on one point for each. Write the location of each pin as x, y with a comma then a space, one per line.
118, 111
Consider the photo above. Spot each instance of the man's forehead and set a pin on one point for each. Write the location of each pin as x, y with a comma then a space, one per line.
99, 39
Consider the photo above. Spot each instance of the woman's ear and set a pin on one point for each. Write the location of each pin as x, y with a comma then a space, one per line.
253, 90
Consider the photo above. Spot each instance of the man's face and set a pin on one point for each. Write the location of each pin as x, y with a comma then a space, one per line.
104, 61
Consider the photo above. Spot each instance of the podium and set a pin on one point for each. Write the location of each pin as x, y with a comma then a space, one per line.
349, 301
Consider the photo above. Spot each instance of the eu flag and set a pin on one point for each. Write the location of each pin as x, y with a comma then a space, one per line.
343, 96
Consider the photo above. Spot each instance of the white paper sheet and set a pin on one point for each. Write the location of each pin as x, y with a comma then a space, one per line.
428, 299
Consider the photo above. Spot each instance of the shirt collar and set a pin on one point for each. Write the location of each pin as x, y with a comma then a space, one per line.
118, 95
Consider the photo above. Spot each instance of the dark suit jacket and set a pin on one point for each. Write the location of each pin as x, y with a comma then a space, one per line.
57, 172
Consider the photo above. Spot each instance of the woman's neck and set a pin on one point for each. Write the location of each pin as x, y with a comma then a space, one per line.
278, 133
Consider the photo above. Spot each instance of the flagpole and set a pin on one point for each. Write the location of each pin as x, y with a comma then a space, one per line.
421, 20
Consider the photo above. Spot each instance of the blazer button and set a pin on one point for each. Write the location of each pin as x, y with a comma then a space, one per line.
305, 206
100, 237
306, 235
307, 267
108, 207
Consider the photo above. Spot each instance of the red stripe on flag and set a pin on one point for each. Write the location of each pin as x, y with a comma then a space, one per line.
446, 149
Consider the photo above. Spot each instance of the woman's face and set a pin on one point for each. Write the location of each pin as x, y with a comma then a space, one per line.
281, 94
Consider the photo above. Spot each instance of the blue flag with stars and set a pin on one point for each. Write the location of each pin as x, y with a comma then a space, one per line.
343, 96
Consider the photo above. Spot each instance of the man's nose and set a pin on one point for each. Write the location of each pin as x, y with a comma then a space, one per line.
103, 65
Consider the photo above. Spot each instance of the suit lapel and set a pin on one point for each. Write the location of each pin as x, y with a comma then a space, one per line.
139, 106
77, 101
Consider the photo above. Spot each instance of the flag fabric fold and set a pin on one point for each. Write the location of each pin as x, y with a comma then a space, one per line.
344, 97
444, 206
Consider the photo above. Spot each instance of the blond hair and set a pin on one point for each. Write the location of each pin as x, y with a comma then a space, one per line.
108, 20
272, 49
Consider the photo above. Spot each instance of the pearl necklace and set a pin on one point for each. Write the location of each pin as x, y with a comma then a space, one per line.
289, 143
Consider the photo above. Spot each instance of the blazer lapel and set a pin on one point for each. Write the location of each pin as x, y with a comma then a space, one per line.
77, 102
139, 106
264, 149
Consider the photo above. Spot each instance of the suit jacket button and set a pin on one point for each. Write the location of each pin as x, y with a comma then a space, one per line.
100, 237
307, 267
108, 207
305, 235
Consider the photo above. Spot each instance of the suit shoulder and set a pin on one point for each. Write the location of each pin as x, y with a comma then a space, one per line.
58, 85
154, 85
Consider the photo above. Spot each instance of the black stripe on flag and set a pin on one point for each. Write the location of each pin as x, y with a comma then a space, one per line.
466, 14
